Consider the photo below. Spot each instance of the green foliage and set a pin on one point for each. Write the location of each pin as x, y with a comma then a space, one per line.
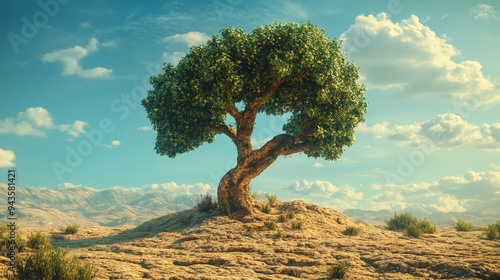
401, 221
290, 215
279, 234
282, 218
413, 226
49, 264
463, 226
39, 241
270, 224
493, 230
266, 208
6, 242
279, 69
297, 224
71, 229
206, 203
351, 231
339, 270
271, 199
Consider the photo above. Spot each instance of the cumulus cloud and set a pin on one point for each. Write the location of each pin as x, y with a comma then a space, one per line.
444, 131
172, 58
317, 164
325, 193
7, 158
409, 56
71, 58
191, 38
36, 121
452, 193
177, 190
483, 11
145, 128
113, 144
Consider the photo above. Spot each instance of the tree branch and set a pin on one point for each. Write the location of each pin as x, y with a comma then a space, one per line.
227, 130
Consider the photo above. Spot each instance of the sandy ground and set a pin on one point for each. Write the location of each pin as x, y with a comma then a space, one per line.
193, 245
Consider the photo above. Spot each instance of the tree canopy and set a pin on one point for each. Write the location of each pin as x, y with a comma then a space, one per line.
292, 69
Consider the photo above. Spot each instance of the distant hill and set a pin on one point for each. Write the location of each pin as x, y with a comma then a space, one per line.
116, 207
483, 214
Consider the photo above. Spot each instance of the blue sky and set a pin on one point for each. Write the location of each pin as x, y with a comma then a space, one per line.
74, 72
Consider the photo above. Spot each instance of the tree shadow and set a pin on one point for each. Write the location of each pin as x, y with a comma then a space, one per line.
175, 222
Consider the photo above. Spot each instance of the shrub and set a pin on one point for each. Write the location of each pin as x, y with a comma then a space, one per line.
290, 215
206, 203
47, 263
279, 234
39, 241
414, 231
338, 270
463, 226
492, 231
5, 240
426, 227
71, 229
266, 208
297, 224
270, 224
352, 231
282, 218
271, 199
401, 221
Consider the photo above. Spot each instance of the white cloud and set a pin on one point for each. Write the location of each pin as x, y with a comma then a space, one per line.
36, 121
483, 11
317, 164
176, 190
145, 128
113, 144
7, 158
172, 58
85, 24
409, 56
444, 131
191, 38
71, 57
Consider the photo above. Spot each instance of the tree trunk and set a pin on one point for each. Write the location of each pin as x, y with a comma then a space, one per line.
234, 196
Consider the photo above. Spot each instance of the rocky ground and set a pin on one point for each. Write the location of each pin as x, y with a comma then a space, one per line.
193, 245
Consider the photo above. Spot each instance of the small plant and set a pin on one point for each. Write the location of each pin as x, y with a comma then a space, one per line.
401, 221
352, 231
253, 194
206, 203
282, 218
492, 231
290, 215
47, 263
39, 241
414, 231
5, 240
297, 224
426, 227
266, 208
271, 199
71, 229
339, 270
463, 226
279, 234
270, 224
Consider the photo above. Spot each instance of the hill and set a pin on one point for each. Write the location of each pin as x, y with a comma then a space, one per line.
194, 245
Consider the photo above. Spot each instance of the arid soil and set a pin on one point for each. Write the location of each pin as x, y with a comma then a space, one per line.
193, 245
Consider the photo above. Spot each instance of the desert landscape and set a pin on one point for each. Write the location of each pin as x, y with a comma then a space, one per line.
193, 245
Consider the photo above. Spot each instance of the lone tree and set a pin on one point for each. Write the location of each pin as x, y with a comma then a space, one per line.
280, 69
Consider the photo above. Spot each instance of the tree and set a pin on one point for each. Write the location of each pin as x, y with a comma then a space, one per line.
280, 69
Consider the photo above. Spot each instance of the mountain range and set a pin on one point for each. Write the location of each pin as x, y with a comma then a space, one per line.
120, 207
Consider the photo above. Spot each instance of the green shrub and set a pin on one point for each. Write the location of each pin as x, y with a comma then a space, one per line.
5, 240
426, 227
492, 231
47, 263
279, 234
266, 208
71, 229
414, 231
352, 231
39, 241
339, 270
271, 199
463, 226
206, 203
290, 215
401, 221
270, 224
297, 224
282, 218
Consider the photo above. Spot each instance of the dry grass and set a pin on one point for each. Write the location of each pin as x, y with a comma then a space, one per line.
215, 247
